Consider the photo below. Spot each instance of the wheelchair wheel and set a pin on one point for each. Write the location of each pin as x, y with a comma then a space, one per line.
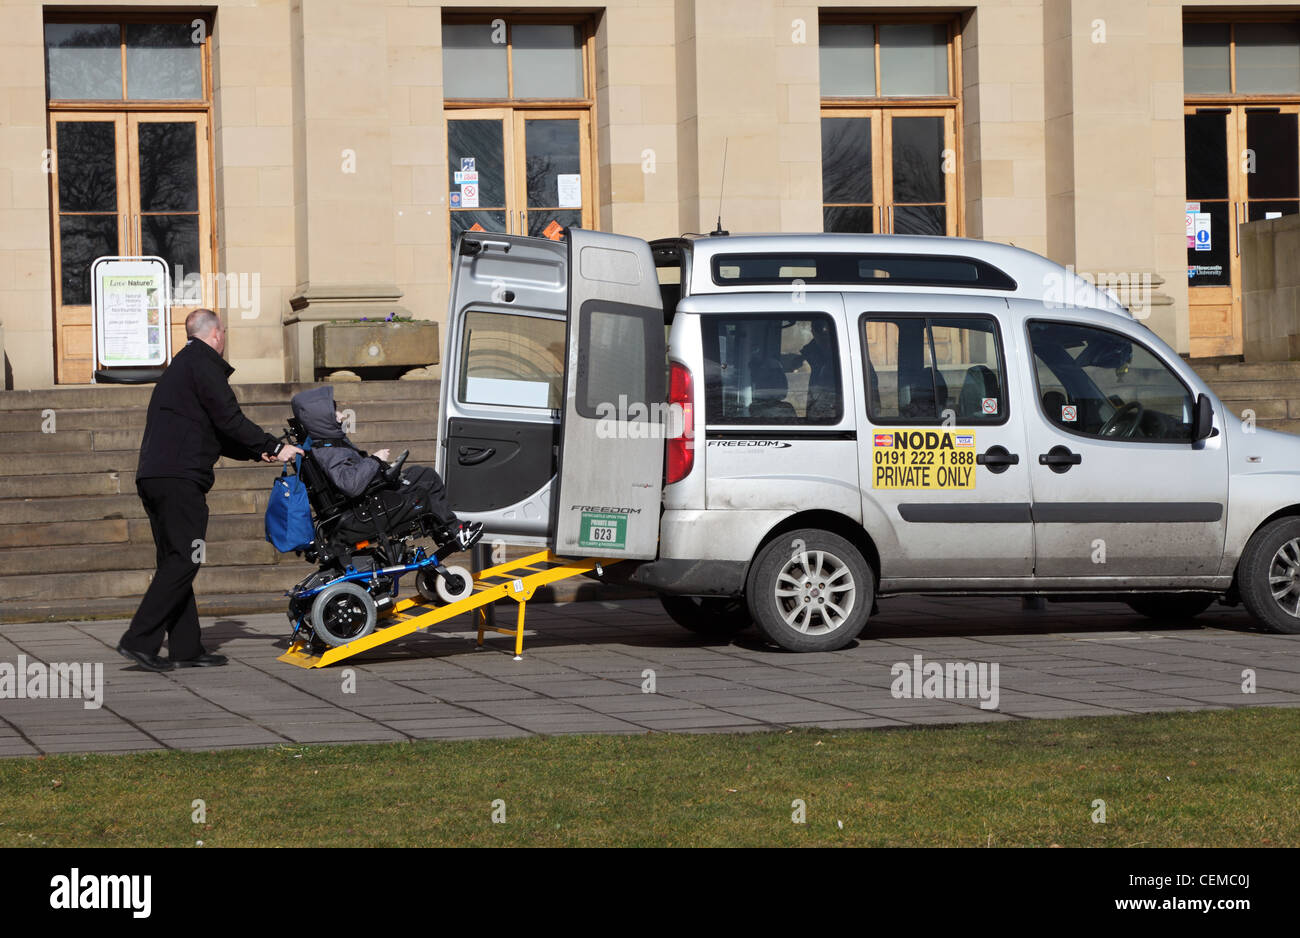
435, 589
342, 613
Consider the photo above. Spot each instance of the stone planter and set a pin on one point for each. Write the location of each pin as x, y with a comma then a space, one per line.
375, 348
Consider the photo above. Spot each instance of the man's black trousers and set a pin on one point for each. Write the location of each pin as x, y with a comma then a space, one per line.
178, 515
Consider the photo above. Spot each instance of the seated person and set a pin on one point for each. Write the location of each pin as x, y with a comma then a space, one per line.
351, 470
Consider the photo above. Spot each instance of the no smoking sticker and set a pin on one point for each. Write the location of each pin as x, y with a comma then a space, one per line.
989, 405
1069, 413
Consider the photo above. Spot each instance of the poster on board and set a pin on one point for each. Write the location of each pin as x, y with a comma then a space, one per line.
130, 312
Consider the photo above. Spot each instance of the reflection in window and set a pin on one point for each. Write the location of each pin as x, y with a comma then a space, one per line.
1100, 383
164, 62
512, 361
83, 61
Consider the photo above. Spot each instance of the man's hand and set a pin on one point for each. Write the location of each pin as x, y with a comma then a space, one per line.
287, 452
381, 454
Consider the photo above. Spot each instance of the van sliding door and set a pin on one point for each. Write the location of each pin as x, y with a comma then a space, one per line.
612, 433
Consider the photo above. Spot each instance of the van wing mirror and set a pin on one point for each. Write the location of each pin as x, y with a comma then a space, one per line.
1203, 419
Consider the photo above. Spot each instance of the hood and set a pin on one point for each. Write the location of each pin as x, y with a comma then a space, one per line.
315, 411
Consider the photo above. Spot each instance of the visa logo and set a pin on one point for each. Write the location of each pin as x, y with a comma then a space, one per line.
965, 440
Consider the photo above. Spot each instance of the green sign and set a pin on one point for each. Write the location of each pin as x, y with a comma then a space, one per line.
603, 529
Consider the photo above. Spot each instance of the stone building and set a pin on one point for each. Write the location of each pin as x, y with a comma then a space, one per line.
296, 161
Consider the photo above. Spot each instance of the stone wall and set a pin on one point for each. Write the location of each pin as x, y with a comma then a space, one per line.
1270, 288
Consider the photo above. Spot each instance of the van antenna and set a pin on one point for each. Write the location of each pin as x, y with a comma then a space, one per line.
719, 231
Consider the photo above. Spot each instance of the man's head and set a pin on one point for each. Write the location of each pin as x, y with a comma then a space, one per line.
205, 325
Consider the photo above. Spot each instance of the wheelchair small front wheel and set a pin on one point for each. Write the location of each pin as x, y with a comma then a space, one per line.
458, 584
343, 613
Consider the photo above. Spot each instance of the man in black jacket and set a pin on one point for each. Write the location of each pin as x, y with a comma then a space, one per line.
193, 420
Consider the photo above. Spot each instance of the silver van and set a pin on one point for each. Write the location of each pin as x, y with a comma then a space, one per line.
839, 418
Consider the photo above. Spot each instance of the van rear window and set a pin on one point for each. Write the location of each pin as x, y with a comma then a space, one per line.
934, 270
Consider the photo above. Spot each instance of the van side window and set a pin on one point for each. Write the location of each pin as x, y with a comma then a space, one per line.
511, 360
925, 369
613, 371
771, 370
1095, 382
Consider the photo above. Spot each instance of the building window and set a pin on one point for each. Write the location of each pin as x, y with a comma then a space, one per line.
890, 112
129, 113
518, 94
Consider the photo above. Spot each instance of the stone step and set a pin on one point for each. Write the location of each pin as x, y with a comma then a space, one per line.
117, 397
109, 507
138, 556
272, 417
1275, 409
258, 578
121, 531
1256, 390
1248, 371
22, 464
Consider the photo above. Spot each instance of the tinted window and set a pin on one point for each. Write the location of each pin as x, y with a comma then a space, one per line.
896, 269
928, 369
613, 372
771, 370
1099, 383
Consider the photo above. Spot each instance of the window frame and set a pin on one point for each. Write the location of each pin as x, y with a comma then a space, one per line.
1232, 20
122, 20
709, 342
586, 48
845, 106
1038, 392
874, 420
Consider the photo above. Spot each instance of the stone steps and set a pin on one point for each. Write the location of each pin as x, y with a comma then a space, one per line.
1268, 391
68, 504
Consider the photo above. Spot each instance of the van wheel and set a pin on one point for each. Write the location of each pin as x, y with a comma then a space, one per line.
1170, 605
708, 615
810, 590
1268, 576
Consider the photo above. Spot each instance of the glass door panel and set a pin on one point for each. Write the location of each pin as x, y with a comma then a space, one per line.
554, 174
1213, 214
1273, 188
91, 204
849, 180
478, 155
919, 189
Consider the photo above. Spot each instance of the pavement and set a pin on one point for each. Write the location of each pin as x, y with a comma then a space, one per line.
624, 667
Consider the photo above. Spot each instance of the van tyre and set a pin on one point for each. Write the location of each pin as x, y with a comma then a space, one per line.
1268, 576
810, 590
1170, 606
342, 613
719, 616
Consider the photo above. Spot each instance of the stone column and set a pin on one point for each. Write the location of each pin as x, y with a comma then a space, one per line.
343, 186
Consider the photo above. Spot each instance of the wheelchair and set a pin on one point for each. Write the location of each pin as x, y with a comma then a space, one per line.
363, 546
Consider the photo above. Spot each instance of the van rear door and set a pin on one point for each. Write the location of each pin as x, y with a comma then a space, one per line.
503, 378
611, 458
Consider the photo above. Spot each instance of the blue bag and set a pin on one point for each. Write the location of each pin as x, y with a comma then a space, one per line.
288, 512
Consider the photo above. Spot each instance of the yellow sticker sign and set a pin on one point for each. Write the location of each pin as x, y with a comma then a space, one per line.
934, 459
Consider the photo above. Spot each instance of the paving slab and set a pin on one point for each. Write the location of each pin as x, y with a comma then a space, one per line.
584, 666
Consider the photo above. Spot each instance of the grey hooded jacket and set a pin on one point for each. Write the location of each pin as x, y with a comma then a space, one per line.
349, 468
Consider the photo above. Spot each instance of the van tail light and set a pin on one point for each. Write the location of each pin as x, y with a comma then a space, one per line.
681, 405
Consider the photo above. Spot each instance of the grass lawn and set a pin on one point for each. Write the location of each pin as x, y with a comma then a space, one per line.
1222, 778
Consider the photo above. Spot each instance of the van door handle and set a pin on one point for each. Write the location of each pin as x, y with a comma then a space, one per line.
997, 459
473, 455
1059, 459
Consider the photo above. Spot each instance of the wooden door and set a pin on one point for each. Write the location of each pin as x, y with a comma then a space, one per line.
127, 184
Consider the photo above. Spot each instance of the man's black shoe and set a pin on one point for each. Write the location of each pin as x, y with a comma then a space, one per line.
144, 659
202, 661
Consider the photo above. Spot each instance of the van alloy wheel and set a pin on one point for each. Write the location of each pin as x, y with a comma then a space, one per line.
1268, 576
815, 592
810, 590
1284, 577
